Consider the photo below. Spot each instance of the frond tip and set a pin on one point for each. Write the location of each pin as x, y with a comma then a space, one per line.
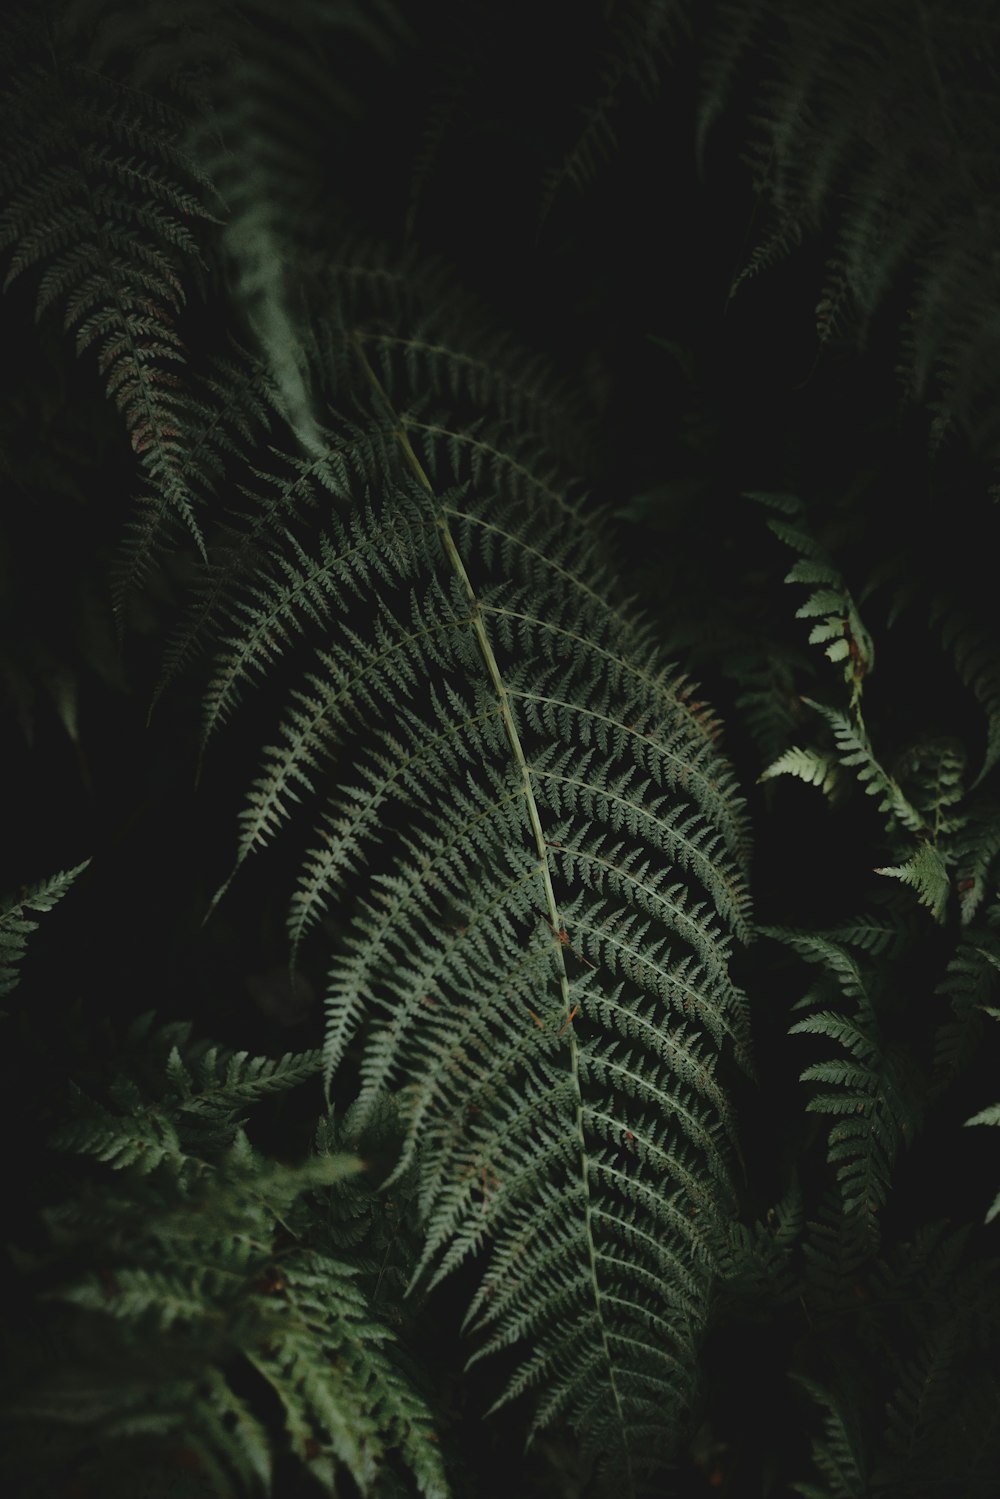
16, 925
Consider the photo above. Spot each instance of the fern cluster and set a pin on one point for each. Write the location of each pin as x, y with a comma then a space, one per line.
384, 697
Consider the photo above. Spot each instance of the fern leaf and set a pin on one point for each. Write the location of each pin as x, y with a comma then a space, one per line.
839, 1455
866, 1087
815, 767
840, 628
16, 925
558, 850
109, 255
198, 1268
927, 873
971, 980
856, 754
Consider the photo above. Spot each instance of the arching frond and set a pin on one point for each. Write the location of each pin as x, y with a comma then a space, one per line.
541, 852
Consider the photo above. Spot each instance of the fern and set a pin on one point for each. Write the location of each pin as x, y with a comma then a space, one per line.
868, 1087
927, 874
100, 204
839, 627
839, 1456
876, 130
510, 736
16, 925
201, 1257
814, 767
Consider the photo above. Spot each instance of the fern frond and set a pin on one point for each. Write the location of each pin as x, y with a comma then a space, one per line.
971, 981
839, 1455
880, 132
839, 628
232, 408
200, 1275
77, 147
927, 873
856, 754
725, 48
16, 925
644, 33
815, 767
868, 1089
541, 948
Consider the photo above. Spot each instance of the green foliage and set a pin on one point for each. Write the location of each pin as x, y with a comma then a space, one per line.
868, 1089
197, 1281
98, 206
518, 1180
16, 925
551, 794
878, 132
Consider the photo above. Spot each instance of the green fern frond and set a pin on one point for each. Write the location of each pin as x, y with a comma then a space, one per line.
879, 132
839, 1455
855, 752
558, 851
644, 35
232, 410
725, 49
976, 849
839, 628
920, 1400
837, 1252
868, 1088
77, 146
16, 925
971, 981
815, 767
199, 1272
933, 772
927, 873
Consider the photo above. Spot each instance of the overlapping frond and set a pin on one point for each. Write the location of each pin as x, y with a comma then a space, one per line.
198, 1271
878, 129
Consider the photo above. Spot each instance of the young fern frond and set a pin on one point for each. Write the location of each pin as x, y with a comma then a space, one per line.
853, 751
815, 767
